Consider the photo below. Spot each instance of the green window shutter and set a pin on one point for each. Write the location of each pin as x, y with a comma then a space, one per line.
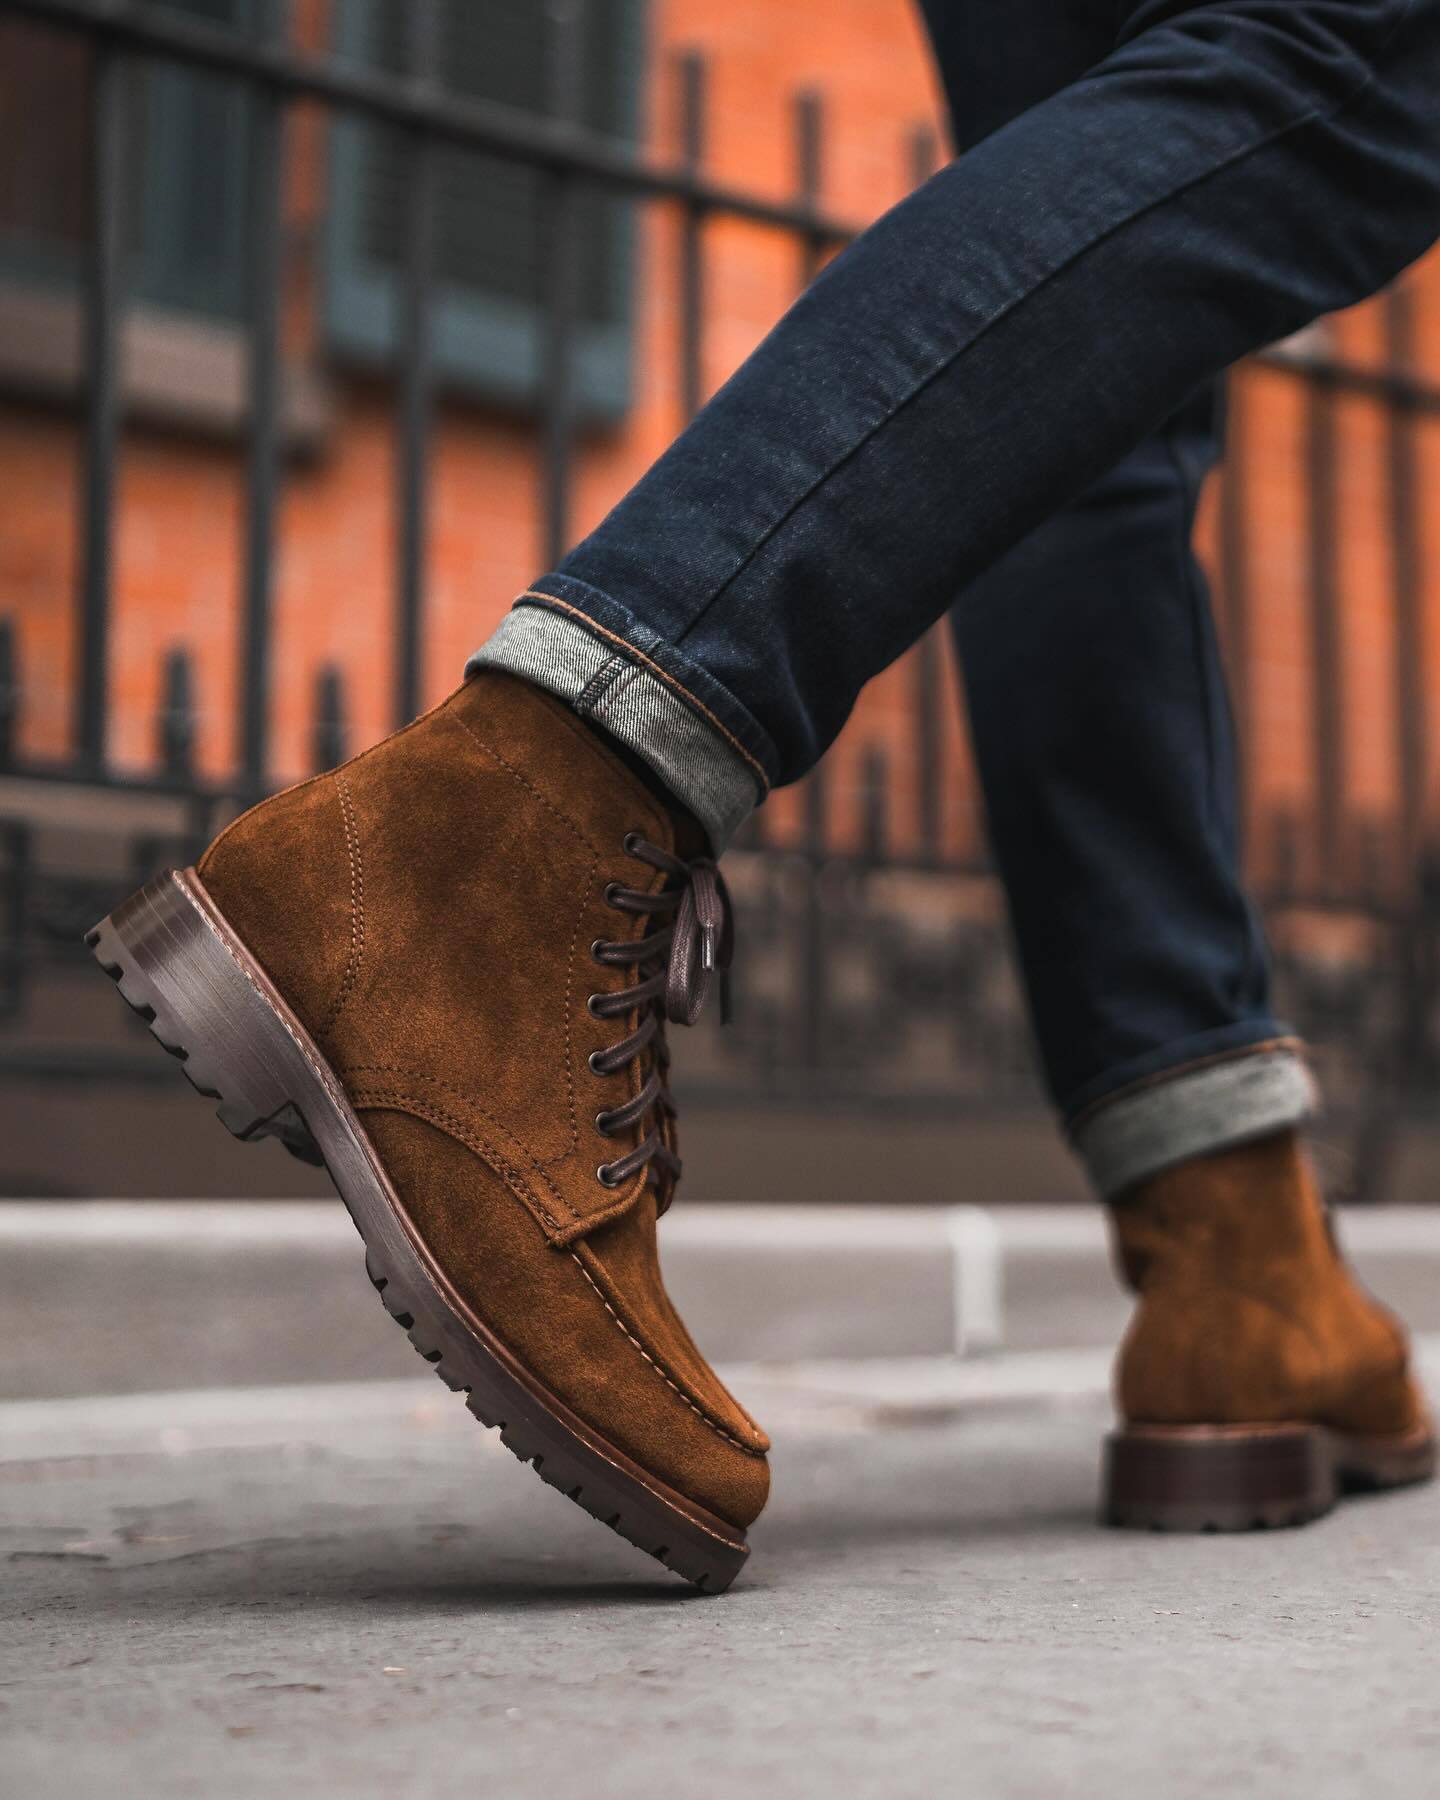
487, 317
186, 205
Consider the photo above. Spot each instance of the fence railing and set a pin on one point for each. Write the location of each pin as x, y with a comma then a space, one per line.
827, 929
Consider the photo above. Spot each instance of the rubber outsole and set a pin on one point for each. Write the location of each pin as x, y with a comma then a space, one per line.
208, 1003
1248, 1477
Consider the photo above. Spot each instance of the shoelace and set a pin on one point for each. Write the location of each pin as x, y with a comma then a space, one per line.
678, 963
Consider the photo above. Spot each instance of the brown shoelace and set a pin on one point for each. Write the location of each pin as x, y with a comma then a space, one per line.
678, 962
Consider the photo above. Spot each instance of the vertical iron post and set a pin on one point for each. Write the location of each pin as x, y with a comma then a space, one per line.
266, 178
927, 661
9, 691
327, 742
1412, 734
1415, 963
559, 275
1327, 725
104, 302
176, 734
809, 155
691, 70
1234, 566
422, 59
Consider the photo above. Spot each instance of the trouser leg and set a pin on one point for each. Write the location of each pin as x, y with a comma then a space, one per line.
975, 361
1105, 746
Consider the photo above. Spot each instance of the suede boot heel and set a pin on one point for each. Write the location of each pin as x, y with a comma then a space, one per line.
1258, 1382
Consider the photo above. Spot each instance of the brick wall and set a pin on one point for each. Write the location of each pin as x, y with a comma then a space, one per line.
181, 513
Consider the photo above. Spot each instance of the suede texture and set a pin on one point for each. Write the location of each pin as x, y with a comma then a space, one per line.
428, 912
1247, 1312
590, 1320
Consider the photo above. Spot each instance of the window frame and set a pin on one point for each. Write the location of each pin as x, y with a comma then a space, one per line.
484, 346
157, 275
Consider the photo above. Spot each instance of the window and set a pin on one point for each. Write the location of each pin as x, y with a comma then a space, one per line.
486, 319
186, 204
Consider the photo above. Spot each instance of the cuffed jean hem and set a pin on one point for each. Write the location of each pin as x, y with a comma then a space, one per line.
646, 695
1200, 1107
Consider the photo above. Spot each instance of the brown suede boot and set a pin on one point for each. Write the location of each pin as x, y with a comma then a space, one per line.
1257, 1380
444, 970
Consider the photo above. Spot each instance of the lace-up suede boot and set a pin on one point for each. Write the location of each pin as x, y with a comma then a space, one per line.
1258, 1380
444, 970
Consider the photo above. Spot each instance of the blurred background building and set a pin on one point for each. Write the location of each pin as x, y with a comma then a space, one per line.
323, 326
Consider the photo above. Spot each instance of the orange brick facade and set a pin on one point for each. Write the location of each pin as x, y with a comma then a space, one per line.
181, 501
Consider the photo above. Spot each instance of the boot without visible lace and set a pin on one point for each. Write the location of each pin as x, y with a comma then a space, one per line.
1258, 1380
444, 970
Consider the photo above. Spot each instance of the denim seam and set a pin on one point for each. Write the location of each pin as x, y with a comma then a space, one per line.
595, 689
625, 676
1229, 162
654, 668
1265, 1047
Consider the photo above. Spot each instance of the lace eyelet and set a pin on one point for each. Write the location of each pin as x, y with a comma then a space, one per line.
592, 1006
605, 1175
612, 888
602, 1123
596, 1066
595, 950
632, 842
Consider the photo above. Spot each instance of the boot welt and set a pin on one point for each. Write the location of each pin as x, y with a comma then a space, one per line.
182, 967
1246, 1477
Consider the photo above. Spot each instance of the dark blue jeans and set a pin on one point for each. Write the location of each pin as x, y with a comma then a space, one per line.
998, 403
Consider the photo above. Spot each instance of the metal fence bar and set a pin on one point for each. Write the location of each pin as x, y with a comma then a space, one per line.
1234, 585
176, 733
927, 666
809, 129
328, 748
265, 178
559, 283
1412, 735
691, 71
9, 691
1327, 722
104, 300
422, 28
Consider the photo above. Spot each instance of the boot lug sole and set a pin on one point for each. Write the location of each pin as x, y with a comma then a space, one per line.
179, 964
1194, 1478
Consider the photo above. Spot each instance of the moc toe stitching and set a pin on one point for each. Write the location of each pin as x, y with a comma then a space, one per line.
757, 1448
510, 1176
357, 907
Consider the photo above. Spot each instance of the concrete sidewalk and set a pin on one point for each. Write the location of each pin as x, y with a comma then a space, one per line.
351, 1591
226, 1576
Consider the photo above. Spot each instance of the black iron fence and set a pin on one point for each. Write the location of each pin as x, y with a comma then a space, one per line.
828, 931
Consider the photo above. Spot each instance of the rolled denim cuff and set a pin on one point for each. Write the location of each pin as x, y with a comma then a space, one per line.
609, 681
1171, 1118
